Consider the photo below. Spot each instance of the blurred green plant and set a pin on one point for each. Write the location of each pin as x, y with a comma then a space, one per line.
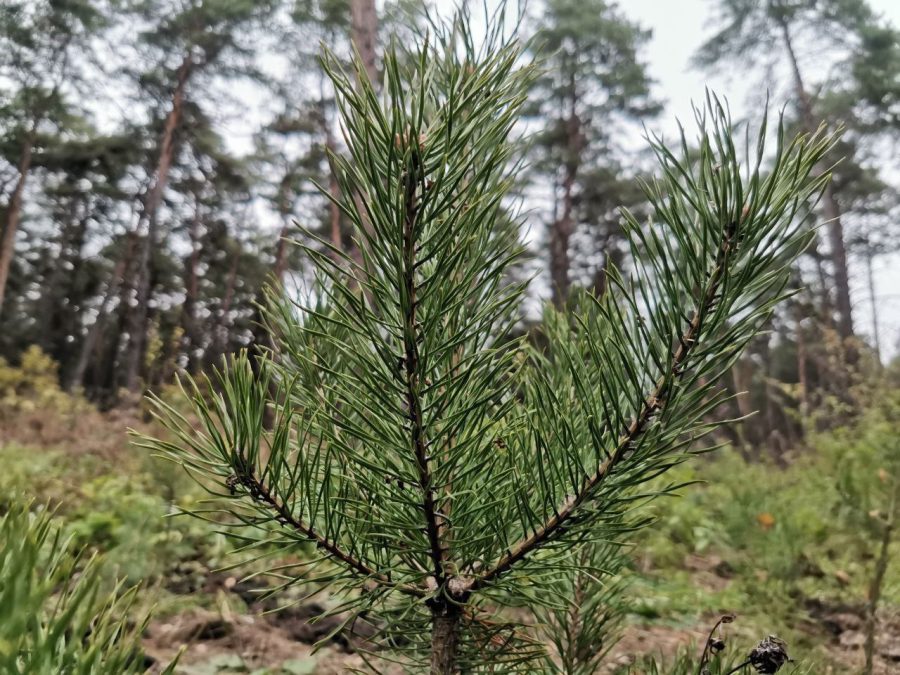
34, 385
55, 617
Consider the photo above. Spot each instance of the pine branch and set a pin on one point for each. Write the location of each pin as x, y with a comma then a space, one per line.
261, 494
653, 403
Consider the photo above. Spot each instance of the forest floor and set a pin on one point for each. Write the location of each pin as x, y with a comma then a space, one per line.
783, 546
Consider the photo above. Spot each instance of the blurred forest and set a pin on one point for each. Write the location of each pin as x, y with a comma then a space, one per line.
137, 239
139, 236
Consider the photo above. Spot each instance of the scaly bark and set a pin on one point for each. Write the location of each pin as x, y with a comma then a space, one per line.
445, 641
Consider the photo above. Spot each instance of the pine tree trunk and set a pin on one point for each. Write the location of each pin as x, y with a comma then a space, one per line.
612, 257
364, 33
825, 305
94, 333
830, 207
873, 302
137, 319
14, 215
832, 214
191, 339
227, 300
61, 298
560, 235
262, 340
563, 228
444, 641
334, 210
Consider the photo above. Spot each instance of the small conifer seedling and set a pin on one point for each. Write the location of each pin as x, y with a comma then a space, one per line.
442, 467
55, 616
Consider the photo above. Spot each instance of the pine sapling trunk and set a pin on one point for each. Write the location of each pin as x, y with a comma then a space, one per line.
444, 640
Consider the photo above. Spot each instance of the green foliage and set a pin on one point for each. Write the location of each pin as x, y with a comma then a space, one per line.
583, 624
54, 616
443, 470
786, 545
34, 385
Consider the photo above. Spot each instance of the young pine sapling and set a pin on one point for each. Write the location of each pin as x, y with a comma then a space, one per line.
442, 467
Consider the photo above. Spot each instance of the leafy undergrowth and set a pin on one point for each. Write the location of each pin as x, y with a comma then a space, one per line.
787, 546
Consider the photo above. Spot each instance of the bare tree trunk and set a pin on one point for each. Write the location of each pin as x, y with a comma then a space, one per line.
138, 316
839, 261
825, 305
223, 323
564, 226
261, 340
612, 257
364, 34
873, 302
560, 236
96, 329
14, 214
830, 207
191, 339
334, 211
280, 266
444, 641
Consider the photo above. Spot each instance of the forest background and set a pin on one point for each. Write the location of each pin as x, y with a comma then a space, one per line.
156, 155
